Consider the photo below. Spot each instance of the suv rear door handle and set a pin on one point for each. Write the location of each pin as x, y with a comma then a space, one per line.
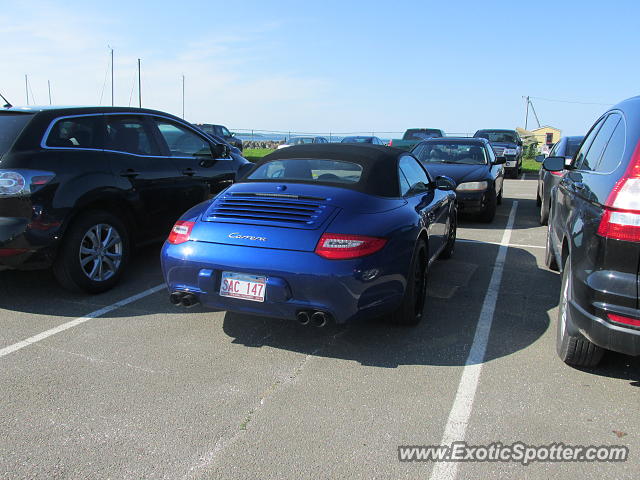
190, 172
131, 173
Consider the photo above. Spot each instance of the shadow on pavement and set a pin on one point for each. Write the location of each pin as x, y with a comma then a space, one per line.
38, 292
446, 333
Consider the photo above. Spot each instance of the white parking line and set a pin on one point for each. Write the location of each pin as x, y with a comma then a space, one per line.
511, 245
78, 321
463, 403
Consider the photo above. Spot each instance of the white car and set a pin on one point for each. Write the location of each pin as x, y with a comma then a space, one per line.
302, 141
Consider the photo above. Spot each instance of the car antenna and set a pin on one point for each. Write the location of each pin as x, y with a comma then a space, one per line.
8, 104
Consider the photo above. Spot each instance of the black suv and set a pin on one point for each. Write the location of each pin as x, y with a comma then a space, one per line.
222, 132
594, 238
508, 144
80, 186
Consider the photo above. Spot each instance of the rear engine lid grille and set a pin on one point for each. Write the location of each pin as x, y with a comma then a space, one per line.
294, 211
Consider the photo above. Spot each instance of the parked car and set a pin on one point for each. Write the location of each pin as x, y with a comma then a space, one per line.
222, 132
472, 164
594, 239
413, 136
362, 139
317, 233
566, 147
505, 143
303, 141
79, 187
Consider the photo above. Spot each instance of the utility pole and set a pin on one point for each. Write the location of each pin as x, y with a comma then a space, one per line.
26, 87
139, 86
183, 96
49, 87
112, 103
526, 117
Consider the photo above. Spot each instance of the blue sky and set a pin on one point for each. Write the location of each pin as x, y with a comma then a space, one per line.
331, 66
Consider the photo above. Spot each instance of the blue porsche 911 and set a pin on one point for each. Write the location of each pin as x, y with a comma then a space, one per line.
316, 233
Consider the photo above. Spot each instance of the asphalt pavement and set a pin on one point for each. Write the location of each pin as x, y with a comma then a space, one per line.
111, 386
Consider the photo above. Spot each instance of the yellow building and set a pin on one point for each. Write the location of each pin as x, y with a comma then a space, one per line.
546, 136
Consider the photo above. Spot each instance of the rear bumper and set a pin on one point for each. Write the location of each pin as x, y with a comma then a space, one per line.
26, 244
296, 281
604, 333
597, 294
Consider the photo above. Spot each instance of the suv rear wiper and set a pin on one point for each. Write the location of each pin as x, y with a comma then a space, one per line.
8, 104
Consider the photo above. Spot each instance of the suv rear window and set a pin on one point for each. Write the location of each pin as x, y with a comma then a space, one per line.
308, 170
11, 124
421, 133
76, 132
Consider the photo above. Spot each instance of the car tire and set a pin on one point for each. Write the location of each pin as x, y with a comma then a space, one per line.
94, 253
450, 246
538, 199
410, 311
572, 347
489, 212
544, 212
549, 257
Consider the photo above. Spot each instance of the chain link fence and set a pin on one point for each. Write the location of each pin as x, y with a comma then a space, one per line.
257, 138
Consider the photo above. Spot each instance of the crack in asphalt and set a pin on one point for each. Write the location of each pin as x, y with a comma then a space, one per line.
98, 360
231, 436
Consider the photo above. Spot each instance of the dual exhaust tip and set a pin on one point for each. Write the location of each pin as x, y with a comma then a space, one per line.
317, 318
185, 299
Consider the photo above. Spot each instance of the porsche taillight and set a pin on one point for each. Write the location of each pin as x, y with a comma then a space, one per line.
180, 232
338, 246
621, 218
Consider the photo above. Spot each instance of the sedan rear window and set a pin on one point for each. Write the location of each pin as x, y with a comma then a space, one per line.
308, 170
10, 127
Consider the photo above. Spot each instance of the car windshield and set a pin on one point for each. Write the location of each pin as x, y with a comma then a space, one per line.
458, 153
421, 133
11, 124
572, 147
300, 140
357, 140
308, 170
498, 137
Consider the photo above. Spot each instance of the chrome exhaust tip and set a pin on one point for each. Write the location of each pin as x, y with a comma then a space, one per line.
176, 297
319, 319
303, 318
189, 300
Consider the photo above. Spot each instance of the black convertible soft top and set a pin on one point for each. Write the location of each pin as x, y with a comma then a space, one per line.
379, 164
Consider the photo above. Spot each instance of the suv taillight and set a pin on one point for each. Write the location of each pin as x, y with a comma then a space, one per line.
338, 246
18, 183
180, 232
621, 218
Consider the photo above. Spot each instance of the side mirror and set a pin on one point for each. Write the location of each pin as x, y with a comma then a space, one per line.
500, 161
540, 158
233, 134
220, 150
553, 164
445, 183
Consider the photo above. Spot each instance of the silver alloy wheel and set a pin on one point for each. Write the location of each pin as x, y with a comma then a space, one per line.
101, 252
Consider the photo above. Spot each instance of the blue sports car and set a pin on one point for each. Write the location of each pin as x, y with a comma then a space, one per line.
316, 233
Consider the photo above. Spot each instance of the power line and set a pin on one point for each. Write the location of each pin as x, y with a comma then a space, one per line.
572, 101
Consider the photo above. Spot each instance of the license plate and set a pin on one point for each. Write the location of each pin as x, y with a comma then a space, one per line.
511, 164
245, 287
